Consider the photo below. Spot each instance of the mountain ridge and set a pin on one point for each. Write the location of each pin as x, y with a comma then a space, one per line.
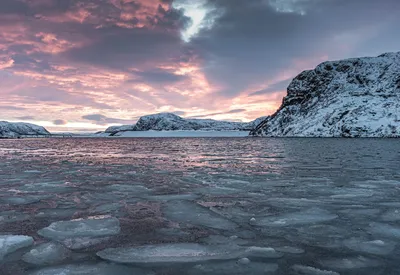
356, 97
173, 122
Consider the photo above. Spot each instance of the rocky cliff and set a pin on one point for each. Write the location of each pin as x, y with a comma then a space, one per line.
357, 97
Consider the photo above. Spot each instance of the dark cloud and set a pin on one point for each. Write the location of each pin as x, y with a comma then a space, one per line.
13, 7
253, 42
126, 48
103, 120
60, 122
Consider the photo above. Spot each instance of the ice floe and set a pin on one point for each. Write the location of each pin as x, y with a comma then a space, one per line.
78, 234
12, 243
377, 247
263, 252
290, 250
386, 230
12, 216
91, 269
350, 263
234, 267
392, 215
192, 213
309, 270
23, 200
46, 254
170, 254
309, 216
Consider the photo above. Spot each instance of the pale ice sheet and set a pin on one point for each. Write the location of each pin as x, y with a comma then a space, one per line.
171, 254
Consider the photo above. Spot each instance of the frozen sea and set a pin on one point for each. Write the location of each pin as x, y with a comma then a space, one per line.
94, 206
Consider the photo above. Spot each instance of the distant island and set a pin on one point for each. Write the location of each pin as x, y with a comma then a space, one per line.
358, 97
21, 129
172, 122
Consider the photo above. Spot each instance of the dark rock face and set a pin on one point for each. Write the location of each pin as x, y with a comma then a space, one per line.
357, 97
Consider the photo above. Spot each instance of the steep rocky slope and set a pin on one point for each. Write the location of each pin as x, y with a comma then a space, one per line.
357, 97
19, 129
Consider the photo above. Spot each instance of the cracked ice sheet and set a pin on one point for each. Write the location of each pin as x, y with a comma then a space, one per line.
309, 216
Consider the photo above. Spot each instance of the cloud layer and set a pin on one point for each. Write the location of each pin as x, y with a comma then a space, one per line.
94, 63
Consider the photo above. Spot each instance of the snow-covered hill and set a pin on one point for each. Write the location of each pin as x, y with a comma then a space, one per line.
357, 97
20, 129
172, 122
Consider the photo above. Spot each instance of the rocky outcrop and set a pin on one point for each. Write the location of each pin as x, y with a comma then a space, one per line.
357, 97
20, 129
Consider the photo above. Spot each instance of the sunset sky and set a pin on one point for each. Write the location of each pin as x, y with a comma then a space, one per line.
83, 65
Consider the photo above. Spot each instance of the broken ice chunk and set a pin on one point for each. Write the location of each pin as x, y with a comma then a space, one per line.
308, 270
234, 267
290, 250
263, 252
91, 269
170, 254
27, 199
391, 216
46, 254
12, 216
83, 242
386, 230
376, 247
11, 243
81, 228
313, 215
350, 263
192, 213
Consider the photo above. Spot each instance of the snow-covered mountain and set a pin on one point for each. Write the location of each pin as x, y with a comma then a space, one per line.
123, 128
172, 122
20, 129
357, 97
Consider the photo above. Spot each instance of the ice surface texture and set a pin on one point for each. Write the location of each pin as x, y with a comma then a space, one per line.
253, 206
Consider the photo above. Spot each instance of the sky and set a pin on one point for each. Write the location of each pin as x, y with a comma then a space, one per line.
84, 65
